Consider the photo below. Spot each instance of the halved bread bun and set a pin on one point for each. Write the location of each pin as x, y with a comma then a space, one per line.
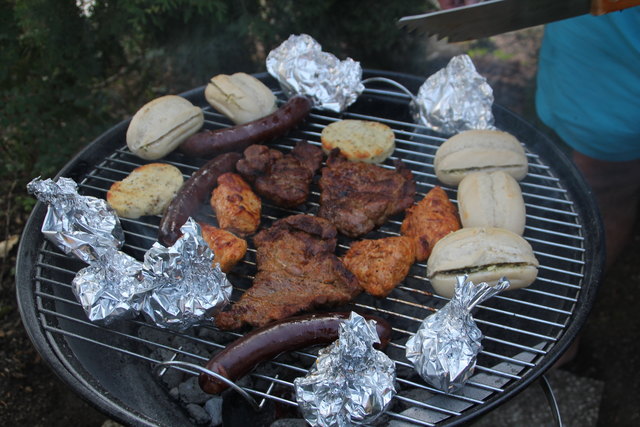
477, 151
359, 140
147, 190
161, 125
240, 96
485, 254
491, 199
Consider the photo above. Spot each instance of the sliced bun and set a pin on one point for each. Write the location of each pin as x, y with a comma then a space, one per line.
485, 254
491, 199
479, 150
359, 140
240, 96
161, 125
147, 190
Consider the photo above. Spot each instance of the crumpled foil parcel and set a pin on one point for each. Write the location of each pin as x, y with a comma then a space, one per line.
351, 383
454, 99
302, 68
445, 348
174, 287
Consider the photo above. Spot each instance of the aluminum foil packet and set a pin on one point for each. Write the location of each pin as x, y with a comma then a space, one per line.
351, 382
302, 68
188, 287
83, 226
113, 287
454, 99
445, 347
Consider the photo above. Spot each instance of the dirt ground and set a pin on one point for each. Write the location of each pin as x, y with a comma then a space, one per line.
30, 394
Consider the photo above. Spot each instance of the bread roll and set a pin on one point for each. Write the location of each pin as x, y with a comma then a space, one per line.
240, 96
491, 199
147, 190
485, 255
479, 150
161, 125
359, 140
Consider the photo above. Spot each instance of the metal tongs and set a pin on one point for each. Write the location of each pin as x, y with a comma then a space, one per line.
493, 17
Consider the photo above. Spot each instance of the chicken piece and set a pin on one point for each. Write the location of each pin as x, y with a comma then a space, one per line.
297, 271
227, 248
285, 179
430, 220
358, 197
236, 206
380, 264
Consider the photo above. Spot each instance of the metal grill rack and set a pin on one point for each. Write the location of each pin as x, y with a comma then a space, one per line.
524, 329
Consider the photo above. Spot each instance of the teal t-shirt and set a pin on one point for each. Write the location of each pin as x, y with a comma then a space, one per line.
588, 87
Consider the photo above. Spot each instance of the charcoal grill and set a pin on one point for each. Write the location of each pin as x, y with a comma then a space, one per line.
526, 330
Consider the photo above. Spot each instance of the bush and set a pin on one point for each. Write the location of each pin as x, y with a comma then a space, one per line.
67, 76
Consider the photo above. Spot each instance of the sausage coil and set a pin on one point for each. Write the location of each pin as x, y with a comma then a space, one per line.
192, 194
265, 343
210, 143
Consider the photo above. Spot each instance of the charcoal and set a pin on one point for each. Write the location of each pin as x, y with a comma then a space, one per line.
213, 407
190, 392
198, 414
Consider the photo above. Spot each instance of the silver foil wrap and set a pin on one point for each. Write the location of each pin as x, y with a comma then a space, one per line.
351, 382
112, 287
302, 68
445, 348
454, 99
83, 226
188, 288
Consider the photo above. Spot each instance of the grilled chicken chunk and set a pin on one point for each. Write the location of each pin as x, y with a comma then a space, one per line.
430, 220
380, 264
227, 248
358, 197
236, 206
297, 271
282, 178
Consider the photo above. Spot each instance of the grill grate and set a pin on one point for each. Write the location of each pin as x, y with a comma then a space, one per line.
521, 327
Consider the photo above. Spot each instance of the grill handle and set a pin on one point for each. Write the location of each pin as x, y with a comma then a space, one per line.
551, 398
190, 367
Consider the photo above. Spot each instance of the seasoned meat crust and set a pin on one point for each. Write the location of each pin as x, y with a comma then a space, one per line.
358, 197
236, 206
297, 270
430, 220
380, 264
281, 178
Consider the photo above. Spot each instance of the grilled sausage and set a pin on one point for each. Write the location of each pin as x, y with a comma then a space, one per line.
265, 343
236, 138
192, 194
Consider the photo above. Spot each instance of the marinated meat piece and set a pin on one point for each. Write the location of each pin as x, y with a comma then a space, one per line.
281, 178
358, 197
297, 271
380, 264
236, 206
430, 220
227, 248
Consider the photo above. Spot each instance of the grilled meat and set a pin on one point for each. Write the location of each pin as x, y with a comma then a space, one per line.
380, 264
227, 248
430, 220
236, 206
281, 178
358, 197
297, 271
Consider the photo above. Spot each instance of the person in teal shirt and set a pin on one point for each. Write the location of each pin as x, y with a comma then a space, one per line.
588, 93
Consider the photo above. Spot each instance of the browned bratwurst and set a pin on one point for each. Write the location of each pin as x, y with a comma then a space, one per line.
265, 343
192, 194
236, 138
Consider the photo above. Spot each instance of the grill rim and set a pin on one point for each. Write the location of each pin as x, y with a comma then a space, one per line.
92, 154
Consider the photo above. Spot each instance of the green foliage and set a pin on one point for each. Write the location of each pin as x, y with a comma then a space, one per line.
65, 77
